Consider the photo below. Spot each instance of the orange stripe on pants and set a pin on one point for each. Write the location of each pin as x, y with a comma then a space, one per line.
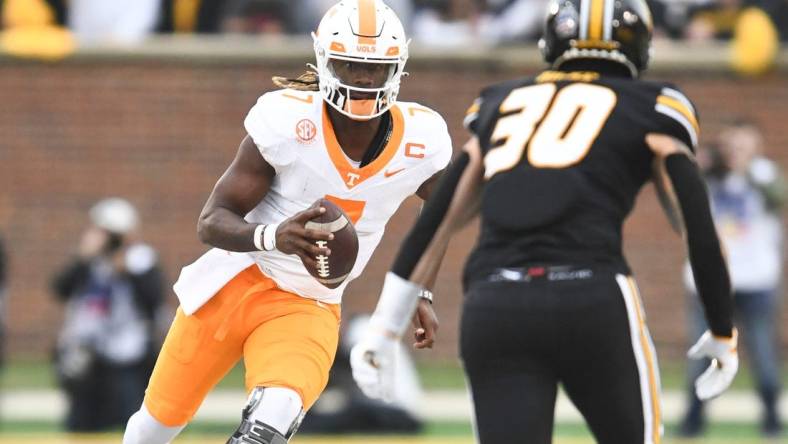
285, 341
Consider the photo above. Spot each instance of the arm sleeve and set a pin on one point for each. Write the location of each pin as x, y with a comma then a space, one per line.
705, 254
422, 232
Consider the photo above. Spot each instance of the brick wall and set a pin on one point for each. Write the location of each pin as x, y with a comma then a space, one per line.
161, 132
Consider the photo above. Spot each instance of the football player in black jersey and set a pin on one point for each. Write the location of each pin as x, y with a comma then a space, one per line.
553, 168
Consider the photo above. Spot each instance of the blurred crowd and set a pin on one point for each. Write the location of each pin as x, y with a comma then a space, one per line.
432, 22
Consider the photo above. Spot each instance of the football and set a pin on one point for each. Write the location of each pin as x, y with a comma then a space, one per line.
332, 270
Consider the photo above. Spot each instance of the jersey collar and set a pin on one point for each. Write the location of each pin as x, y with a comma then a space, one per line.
351, 175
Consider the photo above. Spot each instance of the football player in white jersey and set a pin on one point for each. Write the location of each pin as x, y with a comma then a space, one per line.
337, 133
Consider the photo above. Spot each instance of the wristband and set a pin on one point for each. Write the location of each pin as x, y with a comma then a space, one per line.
257, 237
396, 305
269, 237
426, 295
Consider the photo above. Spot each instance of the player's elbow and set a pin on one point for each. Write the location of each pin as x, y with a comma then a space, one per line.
205, 227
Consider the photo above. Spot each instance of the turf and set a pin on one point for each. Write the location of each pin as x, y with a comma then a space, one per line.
435, 433
435, 375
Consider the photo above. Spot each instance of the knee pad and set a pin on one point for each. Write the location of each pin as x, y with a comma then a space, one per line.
143, 428
271, 416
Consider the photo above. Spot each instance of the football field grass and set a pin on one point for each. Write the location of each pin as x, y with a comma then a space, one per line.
436, 433
114, 439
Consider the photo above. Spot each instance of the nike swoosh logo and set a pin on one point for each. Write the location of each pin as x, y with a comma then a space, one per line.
388, 173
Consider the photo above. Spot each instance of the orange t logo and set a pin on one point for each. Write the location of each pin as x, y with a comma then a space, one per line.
352, 178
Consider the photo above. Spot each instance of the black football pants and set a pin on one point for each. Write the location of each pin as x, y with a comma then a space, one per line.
520, 339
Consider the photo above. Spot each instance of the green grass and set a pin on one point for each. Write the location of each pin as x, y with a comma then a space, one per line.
435, 375
442, 432
27, 374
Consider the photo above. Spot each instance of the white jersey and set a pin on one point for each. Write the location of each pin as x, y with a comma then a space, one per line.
295, 136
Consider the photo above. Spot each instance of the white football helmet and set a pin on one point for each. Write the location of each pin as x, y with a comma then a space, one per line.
364, 31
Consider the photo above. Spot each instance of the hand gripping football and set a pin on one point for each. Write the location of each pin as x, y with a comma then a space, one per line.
332, 270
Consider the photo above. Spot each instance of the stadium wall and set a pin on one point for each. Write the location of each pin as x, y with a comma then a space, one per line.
158, 125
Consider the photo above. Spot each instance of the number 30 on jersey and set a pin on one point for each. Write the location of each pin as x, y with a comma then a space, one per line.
556, 136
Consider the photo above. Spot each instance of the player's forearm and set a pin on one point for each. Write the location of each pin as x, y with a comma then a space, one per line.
222, 228
705, 254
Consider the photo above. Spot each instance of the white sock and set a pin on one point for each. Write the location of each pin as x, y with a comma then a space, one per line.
279, 408
143, 428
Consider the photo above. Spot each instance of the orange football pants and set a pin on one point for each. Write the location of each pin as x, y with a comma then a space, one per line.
285, 341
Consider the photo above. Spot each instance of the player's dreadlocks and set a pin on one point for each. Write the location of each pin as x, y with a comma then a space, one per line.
307, 81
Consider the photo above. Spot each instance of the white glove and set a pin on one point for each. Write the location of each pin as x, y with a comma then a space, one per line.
373, 358
724, 364
373, 361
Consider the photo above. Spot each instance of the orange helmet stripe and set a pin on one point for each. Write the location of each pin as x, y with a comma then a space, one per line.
367, 22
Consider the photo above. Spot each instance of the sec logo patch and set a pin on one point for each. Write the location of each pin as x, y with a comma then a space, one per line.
305, 131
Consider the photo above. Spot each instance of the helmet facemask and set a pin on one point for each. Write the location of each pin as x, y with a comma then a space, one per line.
358, 102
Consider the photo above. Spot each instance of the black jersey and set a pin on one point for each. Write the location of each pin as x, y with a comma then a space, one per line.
565, 156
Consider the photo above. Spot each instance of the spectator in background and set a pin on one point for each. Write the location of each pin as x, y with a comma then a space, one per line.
32, 12
473, 22
185, 16
257, 17
511, 21
445, 22
33, 28
718, 19
113, 21
112, 291
746, 192
712, 20
306, 14
343, 408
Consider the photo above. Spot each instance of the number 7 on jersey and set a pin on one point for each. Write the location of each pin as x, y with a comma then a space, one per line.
556, 136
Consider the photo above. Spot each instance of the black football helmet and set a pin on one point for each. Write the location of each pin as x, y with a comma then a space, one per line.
617, 30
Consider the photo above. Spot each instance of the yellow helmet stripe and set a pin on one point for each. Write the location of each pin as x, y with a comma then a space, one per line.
596, 19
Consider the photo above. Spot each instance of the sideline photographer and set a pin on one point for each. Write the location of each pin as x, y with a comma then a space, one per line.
747, 192
112, 290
